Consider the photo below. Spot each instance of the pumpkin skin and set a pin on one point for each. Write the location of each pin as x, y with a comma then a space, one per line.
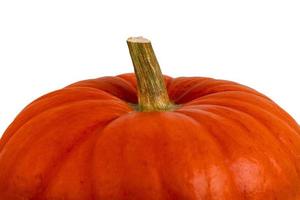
224, 141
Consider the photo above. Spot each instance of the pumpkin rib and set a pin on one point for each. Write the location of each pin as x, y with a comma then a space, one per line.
162, 182
209, 95
37, 104
51, 173
234, 184
181, 112
275, 139
279, 114
236, 88
118, 123
207, 86
72, 89
258, 122
220, 150
28, 140
248, 104
130, 78
6, 138
282, 144
55, 170
115, 86
101, 138
272, 106
206, 113
64, 179
282, 148
128, 82
209, 112
180, 85
217, 144
168, 80
93, 155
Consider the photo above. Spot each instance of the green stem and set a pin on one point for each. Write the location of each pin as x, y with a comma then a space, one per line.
152, 92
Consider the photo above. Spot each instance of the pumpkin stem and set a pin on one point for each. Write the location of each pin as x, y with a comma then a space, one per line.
152, 92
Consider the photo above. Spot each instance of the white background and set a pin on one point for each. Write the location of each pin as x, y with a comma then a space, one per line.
45, 45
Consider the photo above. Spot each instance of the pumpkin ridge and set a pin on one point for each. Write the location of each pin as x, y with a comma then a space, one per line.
245, 127
210, 114
177, 99
65, 89
282, 144
51, 173
93, 154
162, 183
256, 94
275, 115
77, 144
220, 148
128, 82
213, 95
89, 87
283, 116
22, 147
209, 85
225, 153
238, 87
207, 113
100, 138
210, 91
257, 147
209, 95
278, 142
9, 133
91, 83
2, 146
216, 142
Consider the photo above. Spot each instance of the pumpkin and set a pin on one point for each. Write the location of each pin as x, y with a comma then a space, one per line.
151, 137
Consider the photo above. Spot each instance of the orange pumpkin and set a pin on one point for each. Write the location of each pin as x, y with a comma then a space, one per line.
115, 138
